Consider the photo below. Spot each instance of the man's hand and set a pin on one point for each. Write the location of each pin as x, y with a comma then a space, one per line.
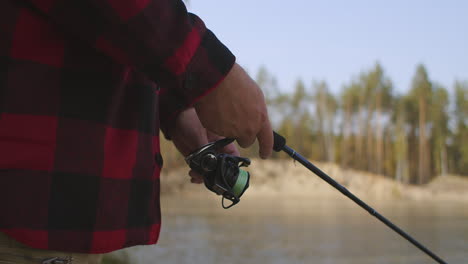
188, 134
237, 109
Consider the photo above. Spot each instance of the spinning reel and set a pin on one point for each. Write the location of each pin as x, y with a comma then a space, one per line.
221, 172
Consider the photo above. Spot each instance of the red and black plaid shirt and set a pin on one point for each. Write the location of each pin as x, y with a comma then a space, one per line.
80, 112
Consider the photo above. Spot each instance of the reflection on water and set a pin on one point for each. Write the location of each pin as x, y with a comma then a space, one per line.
318, 230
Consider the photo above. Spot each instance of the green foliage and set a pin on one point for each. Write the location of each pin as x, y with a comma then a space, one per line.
438, 115
421, 92
459, 148
325, 112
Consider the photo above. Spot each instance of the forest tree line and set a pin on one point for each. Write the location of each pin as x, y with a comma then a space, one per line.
411, 137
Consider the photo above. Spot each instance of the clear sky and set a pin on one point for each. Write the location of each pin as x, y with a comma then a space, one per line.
334, 40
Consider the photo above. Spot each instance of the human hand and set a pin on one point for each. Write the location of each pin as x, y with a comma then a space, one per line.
237, 109
188, 134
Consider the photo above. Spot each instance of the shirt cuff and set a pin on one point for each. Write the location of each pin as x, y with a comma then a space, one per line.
208, 67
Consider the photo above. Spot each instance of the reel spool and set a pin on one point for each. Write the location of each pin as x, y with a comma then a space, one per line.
221, 172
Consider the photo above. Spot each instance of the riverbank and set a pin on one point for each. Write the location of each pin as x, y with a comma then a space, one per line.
284, 177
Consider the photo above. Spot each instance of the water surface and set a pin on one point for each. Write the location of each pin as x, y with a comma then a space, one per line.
307, 230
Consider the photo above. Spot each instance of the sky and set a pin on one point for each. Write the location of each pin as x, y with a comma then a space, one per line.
335, 40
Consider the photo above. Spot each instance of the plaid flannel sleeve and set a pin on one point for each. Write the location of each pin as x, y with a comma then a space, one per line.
157, 37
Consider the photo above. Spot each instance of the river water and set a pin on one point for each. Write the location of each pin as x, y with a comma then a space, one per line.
319, 230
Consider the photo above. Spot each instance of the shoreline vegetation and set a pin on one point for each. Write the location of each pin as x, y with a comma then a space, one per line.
273, 177
411, 135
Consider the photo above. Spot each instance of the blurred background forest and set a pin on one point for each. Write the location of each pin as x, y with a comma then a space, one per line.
410, 137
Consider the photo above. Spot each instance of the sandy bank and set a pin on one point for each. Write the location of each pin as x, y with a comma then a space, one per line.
288, 178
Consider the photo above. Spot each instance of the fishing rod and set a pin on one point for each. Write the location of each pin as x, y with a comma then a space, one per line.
223, 174
280, 145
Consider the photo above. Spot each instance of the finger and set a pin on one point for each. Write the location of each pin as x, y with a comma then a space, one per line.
196, 181
228, 149
246, 142
265, 140
212, 136
195, 177
231, 149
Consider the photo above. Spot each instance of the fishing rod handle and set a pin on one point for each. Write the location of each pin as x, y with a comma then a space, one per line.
279, 142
